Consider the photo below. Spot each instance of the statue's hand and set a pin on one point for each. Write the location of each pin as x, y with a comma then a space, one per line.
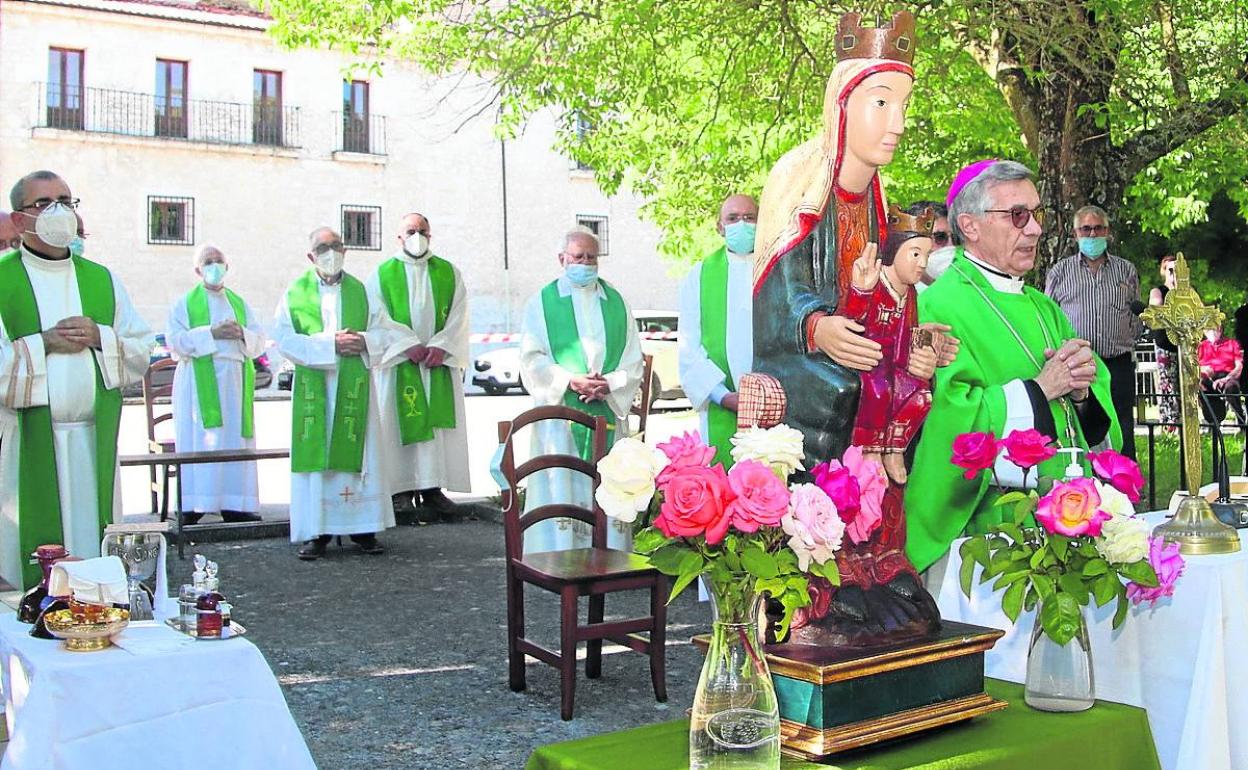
866, 270
841, 339
944, 343
922, 363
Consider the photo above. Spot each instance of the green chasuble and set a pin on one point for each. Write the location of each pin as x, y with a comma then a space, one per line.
968, 395
418, 413
713, 304
38, 495
309, 452
207, 390
566, 349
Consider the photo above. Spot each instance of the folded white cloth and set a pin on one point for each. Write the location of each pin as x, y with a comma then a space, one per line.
99, 581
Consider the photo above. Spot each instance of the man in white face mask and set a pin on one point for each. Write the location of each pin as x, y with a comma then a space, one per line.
579, 347
69, 340
422, 398
716, 325
334, 335
214, 336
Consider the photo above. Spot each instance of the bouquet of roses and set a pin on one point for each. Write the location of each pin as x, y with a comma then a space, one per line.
1079, 542
748, 530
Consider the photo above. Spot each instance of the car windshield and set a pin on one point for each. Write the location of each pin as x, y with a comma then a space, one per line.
656, 324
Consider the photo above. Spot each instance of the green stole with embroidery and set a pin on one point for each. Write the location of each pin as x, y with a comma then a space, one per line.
419, 413
566, 349
713, 293
207, 389
309, 452
38, 494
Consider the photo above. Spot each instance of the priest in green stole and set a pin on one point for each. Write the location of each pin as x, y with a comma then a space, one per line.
70, 339
716, 325
422, 398
579, 347
1021, 364
215, 335
328, 328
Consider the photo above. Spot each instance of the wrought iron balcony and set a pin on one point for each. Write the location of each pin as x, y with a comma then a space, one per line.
127, 113
363, 133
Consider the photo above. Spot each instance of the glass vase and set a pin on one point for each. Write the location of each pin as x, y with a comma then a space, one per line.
735, 721
1059, 676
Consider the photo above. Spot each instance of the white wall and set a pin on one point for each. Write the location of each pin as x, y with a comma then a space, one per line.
258, 203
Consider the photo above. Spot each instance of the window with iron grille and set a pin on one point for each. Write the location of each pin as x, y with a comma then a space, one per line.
596, 225
361, 227
170, 220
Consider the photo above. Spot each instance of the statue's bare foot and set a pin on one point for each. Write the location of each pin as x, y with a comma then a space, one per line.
877, 457
895, 467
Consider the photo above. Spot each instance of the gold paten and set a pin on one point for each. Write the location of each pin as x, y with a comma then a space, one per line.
87, 637
1184, 318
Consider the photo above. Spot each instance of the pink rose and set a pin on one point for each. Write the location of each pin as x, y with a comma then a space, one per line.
683, 451
839, 484
975, 452
1120, 471
812, 524
1028, 448
762, 499
1168, 565
695, 502
1072, 508
872, 484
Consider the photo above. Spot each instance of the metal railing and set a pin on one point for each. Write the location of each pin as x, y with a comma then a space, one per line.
365, 133
128, 113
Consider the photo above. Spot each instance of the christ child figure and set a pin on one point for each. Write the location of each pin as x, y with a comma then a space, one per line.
892, 402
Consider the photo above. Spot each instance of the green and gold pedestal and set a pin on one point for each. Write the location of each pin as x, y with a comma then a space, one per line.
833, 699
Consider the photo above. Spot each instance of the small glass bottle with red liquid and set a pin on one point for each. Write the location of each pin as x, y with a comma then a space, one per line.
36, 599
207, 606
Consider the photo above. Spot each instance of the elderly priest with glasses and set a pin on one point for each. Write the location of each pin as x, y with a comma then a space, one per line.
70, 339
1021, 364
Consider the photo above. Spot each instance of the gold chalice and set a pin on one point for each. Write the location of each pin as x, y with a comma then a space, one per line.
87, 637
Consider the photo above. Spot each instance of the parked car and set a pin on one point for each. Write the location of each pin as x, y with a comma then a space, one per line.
498, 371
658, 329
164, 377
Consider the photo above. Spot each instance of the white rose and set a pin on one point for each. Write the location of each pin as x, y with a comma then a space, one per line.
779, 447
1113, 502
627, 478
1123, 540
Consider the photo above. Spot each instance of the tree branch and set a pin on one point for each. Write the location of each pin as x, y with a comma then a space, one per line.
1147, 146
1178, 76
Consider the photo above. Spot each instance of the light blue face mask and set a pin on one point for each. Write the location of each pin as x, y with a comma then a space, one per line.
496, 469
739, 236
1093, 248
77, 247
581, 275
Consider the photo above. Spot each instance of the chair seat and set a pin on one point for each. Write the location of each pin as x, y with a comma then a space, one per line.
586, 564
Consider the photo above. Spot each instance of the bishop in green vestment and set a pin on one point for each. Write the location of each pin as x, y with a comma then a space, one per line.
1021, 364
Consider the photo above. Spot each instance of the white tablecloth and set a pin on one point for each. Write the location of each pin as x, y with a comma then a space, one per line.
168, 702
1183, 661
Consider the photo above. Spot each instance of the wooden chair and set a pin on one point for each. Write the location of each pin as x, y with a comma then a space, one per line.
645, 396
592, 572
151, 392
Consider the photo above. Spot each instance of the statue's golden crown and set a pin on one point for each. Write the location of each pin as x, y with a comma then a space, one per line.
892, 41
901, 222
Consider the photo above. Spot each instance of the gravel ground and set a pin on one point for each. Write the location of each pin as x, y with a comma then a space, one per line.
400, 661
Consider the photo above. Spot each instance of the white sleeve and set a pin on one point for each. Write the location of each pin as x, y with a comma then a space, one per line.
23, 371
454, 335
387, 339
545, 380
255, 339
626, 378
126, 346
699, 376
312, 350
184, 341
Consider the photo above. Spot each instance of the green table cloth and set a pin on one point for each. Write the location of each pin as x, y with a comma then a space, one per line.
1109, 736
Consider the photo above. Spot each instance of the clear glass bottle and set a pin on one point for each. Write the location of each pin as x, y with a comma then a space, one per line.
1059, 677
735, 722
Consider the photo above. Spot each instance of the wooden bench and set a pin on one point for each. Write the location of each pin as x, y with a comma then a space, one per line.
197, 458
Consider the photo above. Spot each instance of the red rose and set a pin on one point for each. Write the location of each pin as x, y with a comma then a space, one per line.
975, 452
695, 502
1028, 448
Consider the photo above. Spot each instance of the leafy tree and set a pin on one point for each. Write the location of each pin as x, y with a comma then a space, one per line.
1138, 105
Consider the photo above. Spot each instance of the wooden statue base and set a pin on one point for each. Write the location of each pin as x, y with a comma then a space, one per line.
833, 700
